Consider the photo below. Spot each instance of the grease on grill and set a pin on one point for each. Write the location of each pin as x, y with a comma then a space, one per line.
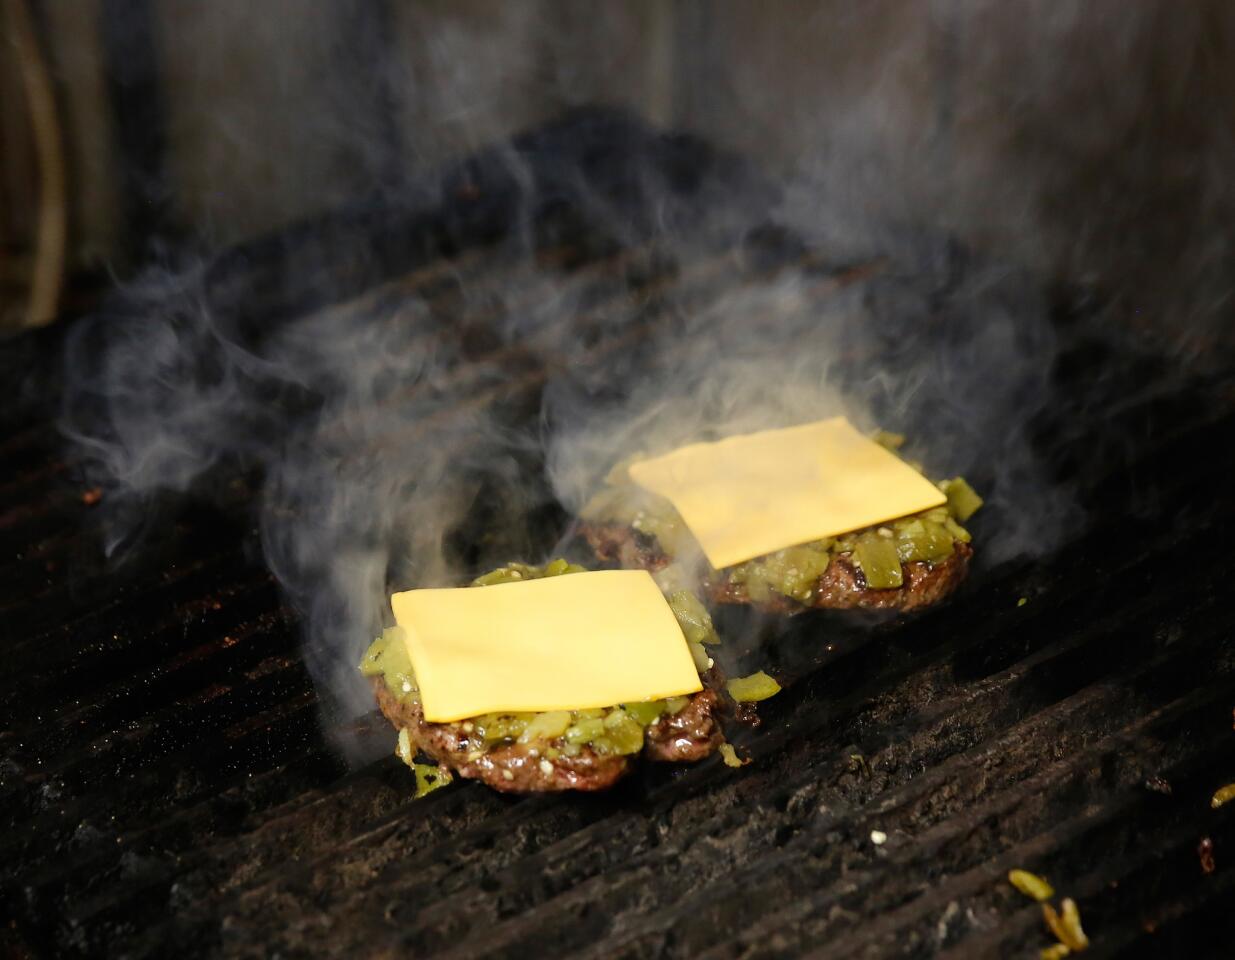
1158, 785
1205, 852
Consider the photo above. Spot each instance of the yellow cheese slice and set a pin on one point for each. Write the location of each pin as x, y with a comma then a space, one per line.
573, 642
748, 495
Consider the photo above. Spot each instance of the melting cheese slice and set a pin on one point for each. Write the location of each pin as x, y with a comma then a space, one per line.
571, 642
748, 495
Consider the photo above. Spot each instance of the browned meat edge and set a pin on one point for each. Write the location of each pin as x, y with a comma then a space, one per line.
687, 736
841, 586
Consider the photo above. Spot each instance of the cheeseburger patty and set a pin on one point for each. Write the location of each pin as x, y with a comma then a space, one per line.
554, 750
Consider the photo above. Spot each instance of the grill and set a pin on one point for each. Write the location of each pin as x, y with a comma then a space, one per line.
172, 781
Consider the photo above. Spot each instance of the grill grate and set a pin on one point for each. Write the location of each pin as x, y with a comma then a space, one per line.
166, 786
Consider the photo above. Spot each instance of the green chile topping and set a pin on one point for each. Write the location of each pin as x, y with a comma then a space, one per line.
758, 686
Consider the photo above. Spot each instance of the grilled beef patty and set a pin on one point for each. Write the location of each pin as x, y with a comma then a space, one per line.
841, 586
687, 736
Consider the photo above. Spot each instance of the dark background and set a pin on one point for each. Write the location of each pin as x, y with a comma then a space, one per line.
1089, 142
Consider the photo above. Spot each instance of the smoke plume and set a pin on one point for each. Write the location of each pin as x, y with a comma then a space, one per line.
420, 388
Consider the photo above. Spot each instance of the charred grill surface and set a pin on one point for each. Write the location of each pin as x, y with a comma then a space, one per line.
170, 780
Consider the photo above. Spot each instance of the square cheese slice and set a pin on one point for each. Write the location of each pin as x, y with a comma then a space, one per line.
571, 642
752, 494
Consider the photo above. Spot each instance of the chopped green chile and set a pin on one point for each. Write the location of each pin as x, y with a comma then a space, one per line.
514, 572
920, 539
963, 501
546, 726
495, 727
1031, 885
430, 777
879, 560
792, 572
888, 440
692, 617
703, 662
623, 734
758, 686
511, 573
956, 530
387, 658
558, 567
403, 747
371, 663
646, 712
1222, 796
671, 579
585, 731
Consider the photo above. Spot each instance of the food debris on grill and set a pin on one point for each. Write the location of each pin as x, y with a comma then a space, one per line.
1031, 885
857, 763
551, 750
901, 565
1065, 924
428, 776
1205, 852
1222, 795
752, 689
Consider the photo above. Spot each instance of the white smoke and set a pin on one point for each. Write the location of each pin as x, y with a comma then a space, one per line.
387, 433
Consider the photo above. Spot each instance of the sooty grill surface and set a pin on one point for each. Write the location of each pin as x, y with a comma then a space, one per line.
166, 787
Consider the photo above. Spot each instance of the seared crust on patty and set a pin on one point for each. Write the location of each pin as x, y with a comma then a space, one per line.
625, 546
841, 586
686, 736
